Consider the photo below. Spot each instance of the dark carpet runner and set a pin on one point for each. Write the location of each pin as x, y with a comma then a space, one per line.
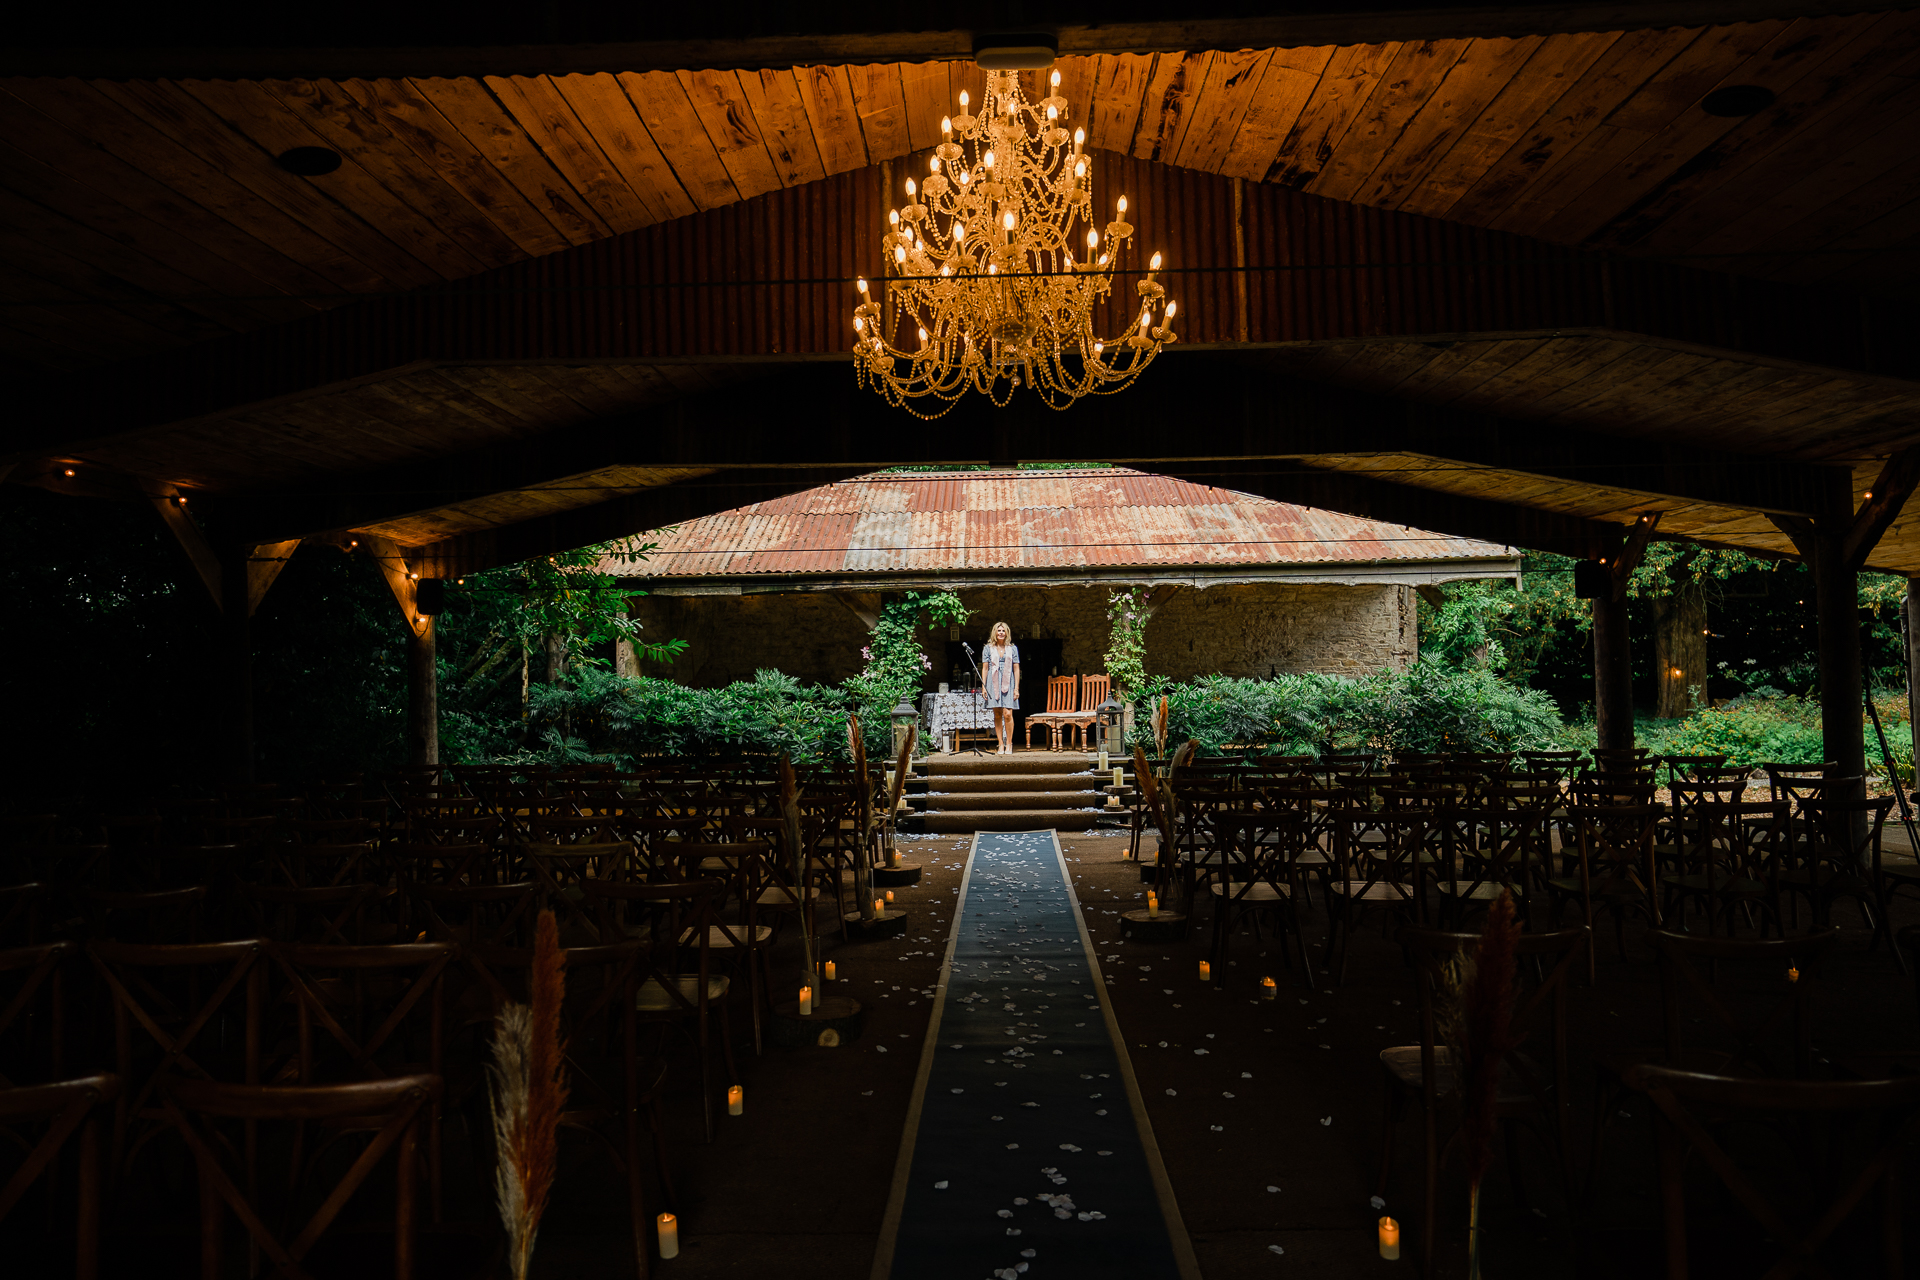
1027, 1152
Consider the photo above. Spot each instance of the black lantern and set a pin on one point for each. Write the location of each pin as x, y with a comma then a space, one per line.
1112, 718
904, 718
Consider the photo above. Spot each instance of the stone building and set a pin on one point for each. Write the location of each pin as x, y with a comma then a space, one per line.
1241, 585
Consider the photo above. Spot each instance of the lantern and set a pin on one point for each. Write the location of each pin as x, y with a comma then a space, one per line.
904, 718
1112, 717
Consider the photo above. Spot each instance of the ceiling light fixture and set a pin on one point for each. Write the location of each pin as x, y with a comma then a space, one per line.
983, 288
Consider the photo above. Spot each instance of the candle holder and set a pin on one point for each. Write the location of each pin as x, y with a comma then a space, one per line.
1269, 989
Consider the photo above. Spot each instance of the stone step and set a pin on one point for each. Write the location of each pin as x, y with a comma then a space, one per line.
1010, 820
1026, 763
958, 782
969, 801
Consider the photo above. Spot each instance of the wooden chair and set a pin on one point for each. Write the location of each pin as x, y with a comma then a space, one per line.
1792, 1225
1094, 691
682, 921
1730, 857
1259, 877
20, 909
1535, 1075
40, 968
1062, 695
1615, 870
563, 871
67, 1108
1373, 877
196, 1109
164, 999
1838, 858
170, 916
380, 1012
488, 915
326, 914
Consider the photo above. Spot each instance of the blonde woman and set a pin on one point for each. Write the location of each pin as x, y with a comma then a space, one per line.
1000, 665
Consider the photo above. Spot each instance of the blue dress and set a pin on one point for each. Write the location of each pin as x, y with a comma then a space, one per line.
997, 668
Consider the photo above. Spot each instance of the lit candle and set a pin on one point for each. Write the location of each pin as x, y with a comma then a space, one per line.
806, 1001
669, 1236
736, 1101
830, 971
1389, 1239
1269, 989
1153, 904
1206, 972
879, 907
889, 895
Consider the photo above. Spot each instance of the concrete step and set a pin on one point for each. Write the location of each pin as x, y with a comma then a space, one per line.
959, 782
1010, 820
968, 801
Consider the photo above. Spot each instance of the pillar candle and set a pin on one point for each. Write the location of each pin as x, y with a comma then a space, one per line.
806, 1001
1269, 989
889, 895
669, 1236
830, 971
1153, 904
736, 1100
1206, 972
1103, 759
879, 907
1389, 1239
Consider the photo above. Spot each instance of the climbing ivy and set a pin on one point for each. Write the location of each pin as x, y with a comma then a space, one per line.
895, 661
1126, 655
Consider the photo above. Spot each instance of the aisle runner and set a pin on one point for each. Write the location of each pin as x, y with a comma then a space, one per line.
1026, 1141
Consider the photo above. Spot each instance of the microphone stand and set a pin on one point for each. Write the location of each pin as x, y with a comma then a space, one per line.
981, 693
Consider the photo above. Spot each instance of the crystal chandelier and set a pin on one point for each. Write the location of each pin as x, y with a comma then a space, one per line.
984, 290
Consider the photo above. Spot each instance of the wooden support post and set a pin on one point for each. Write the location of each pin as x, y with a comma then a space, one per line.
1911, 628
423, 683
1835, 546
423, 696
236, 651
1612, 655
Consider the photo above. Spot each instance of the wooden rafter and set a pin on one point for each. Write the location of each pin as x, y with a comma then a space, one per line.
400, 579
1884, 501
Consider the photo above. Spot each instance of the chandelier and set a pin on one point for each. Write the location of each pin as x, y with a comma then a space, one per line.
984, 290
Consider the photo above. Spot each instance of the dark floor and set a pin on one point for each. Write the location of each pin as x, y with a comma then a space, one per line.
1271, 1137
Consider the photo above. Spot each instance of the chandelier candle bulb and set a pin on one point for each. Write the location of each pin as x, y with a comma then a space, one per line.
669, 1236
736, 1100
806, 1002
1390, 1239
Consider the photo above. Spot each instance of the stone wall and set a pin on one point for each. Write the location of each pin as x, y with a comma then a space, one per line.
1236, 631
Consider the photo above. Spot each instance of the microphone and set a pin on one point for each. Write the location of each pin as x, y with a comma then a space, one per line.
967, 647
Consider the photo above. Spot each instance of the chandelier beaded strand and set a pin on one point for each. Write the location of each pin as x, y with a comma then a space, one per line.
984, 291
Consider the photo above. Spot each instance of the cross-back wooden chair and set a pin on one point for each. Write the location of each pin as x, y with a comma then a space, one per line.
196, 1109
168, 916
164, 1000
563, 871
1062, 700
1259, 878
489, 915
26, 1033
20, 909
1797, 1225
444, 864
1494, 849
1730, 857
67, 1108
370, 1013
1094, 691
611, 1082
1535, 1077
681, 918
1838, 857
1370, 876
327, 914
1614, 870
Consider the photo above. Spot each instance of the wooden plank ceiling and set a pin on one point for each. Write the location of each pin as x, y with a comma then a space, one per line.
135, 215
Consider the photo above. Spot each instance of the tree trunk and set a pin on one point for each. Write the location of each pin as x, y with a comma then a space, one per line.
1680, 651
1910, 630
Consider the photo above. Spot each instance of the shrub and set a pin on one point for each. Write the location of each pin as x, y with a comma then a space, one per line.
1429, 708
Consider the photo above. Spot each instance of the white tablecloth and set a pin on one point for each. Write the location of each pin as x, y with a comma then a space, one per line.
945, 712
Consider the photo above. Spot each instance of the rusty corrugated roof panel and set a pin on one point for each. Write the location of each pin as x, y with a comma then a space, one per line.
1106, 518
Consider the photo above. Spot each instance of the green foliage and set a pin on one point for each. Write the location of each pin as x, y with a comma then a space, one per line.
1779, 728
896, 662
1429, 708
1126, 656
569, 596
1493, 626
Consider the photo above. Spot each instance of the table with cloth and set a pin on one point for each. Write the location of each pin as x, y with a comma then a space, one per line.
945, 712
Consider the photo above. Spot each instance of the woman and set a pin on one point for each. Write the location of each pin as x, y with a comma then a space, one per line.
1001, 668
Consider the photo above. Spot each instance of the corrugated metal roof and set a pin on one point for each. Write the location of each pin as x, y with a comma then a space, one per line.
987, 521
